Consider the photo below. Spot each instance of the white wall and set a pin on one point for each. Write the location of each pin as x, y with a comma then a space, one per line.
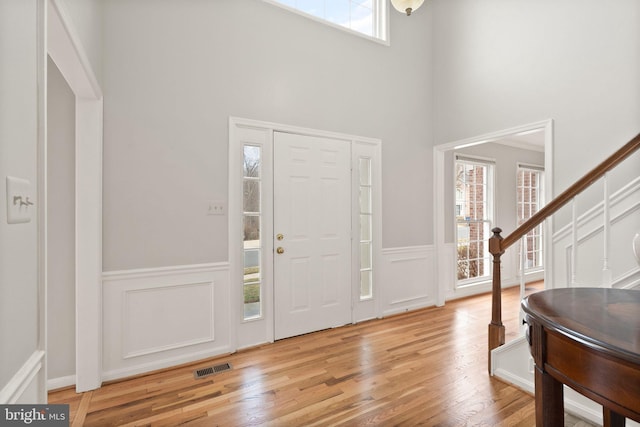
174, 71
500, 64
85, 16
61, 226
19, 314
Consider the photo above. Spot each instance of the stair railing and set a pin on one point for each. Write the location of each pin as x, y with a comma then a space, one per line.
498, 244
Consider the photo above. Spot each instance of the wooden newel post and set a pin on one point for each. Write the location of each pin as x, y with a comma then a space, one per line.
496, 328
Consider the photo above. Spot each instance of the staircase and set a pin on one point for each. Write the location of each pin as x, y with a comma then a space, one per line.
583, 256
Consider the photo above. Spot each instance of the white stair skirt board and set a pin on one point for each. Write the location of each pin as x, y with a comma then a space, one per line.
513, 364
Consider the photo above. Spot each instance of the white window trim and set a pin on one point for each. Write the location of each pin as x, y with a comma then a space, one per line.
490, 163
382, 23
542, 199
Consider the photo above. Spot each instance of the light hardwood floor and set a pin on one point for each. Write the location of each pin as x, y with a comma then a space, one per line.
426, 367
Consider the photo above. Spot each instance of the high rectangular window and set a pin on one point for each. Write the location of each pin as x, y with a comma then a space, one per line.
366, 17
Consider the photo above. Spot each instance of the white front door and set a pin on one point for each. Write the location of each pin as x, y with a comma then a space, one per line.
312, 228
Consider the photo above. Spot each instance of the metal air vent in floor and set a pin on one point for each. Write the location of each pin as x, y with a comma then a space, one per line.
212, 370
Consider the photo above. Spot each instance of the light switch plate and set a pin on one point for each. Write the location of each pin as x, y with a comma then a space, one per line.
216, 207
20, 200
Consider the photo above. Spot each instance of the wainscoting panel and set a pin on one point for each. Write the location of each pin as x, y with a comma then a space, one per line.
26, 385
156, 318
625, 271
155, 321
409, 279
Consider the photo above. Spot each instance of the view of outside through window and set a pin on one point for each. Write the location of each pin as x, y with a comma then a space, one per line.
473, 219
529, 202
366, 271
251, 231
357, 15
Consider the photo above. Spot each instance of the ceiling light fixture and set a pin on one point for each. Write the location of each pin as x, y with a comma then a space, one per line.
407, 6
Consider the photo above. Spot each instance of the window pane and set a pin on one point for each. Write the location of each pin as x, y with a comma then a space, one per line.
251, 292
312, 7
252, 229
363, 16
251, 202
365, 255
463, 233
251, 161
473, 206
361, 19
365, 171
528, 203
252, 263
365, 3
365, 200
365, 227
338, 13
251, 295
365, 284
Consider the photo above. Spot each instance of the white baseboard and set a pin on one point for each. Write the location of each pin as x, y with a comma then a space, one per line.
164, 362
23, 387
61, 382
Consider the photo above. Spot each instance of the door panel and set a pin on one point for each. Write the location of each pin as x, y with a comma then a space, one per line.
312, 211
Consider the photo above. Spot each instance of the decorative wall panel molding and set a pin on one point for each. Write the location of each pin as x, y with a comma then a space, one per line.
409, 279
589, 253
160, 317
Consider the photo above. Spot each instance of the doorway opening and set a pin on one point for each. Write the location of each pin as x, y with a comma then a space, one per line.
467, 207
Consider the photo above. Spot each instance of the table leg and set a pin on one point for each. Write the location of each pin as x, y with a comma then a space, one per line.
549, 400
611, 418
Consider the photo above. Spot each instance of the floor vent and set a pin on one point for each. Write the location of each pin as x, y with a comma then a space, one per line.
212, 370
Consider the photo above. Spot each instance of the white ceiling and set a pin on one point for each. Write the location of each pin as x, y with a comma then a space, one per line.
531, 140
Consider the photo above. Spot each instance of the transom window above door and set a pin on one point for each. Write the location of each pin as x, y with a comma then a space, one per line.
365, 17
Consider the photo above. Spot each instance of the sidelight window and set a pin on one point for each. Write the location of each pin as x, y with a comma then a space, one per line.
252, 237
366, 231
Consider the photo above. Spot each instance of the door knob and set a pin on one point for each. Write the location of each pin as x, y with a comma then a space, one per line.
279, 236
280, 250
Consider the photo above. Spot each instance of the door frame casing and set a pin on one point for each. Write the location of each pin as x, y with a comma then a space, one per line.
445, 272
255, 332
65, 49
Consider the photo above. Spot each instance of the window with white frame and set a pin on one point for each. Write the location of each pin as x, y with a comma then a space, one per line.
366, 17
252, 239
366, 230
474, 216
529, 201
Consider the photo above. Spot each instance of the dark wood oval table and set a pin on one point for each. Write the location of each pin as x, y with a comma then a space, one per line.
588, 339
